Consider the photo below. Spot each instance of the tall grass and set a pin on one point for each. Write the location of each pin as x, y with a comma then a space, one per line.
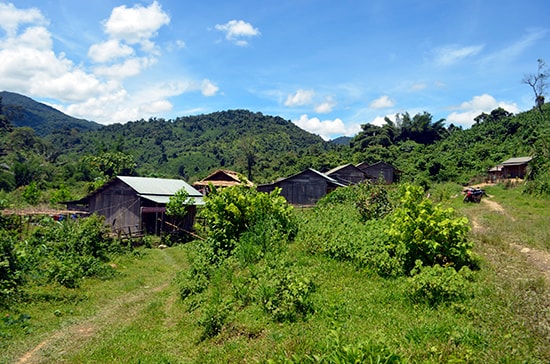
354, 313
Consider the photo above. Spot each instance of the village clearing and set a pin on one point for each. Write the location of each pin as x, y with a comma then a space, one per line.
139, 316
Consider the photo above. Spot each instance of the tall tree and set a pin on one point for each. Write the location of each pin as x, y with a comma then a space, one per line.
538, 82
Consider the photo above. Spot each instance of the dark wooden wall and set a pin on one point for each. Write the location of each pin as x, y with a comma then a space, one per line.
305, 188
118, 203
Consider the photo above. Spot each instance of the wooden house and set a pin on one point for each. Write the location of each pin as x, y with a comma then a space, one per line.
222, 178
379, 170
510, 168
348, 174
139, 204
304, 188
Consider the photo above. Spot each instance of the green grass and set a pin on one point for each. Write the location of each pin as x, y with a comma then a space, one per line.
137, 316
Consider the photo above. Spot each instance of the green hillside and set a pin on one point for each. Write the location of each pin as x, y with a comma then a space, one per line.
44, 119
261, 146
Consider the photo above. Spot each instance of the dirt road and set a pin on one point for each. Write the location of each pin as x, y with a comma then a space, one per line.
116, 313
537, 258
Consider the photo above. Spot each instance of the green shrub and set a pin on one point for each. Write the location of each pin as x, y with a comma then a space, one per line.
371, 200
339, 351
436, 285
339, 232
214, 318
284, 294
202, 262
423, 231
67, 251
10, 267
231, 212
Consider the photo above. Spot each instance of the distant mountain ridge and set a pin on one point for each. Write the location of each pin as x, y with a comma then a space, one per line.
44, 119
260, 146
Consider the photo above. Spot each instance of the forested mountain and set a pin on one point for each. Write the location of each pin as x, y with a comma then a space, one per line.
44, 119
266, 148
260, 146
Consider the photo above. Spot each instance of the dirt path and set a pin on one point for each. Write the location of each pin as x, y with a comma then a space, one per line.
537, 258
120, 312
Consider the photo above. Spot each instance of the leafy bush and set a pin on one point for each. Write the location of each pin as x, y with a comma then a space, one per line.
437, 284
370, 199
66, 251
286, 295
339, 232
339, 351
423, 231
230, 212
202, 263
214, 318
10, 267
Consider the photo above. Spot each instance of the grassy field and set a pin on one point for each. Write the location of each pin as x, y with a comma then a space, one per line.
139, 317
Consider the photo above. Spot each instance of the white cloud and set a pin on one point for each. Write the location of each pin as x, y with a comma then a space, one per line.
137, 24
29, 65
468, 110
109, 50
155, 107
130, 67
236, 30
325, 107
208, 88
378, 121
300, 98
11, 18
326, 129
382, 102
518, 47
418, 86
446, 56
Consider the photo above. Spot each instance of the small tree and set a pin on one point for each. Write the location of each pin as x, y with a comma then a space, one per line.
178, 205
31, 194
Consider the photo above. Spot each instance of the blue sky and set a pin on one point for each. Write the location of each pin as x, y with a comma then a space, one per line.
328, 66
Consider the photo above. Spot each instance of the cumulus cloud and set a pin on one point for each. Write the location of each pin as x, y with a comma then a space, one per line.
379, 121
382, 102
237, 31
468, 110
326, 129
128, 68
300, 98
108, 50
11, 18
326, 106
29, 65
137, 24
449, 55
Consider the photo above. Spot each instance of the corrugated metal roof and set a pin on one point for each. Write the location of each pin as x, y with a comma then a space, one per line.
164, 199
158, 186
516, 161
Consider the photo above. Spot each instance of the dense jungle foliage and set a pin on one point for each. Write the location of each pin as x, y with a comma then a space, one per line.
69, 162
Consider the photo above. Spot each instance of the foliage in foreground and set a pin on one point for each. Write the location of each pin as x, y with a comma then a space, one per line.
420, 230
398, 230
61, 252
243, 261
